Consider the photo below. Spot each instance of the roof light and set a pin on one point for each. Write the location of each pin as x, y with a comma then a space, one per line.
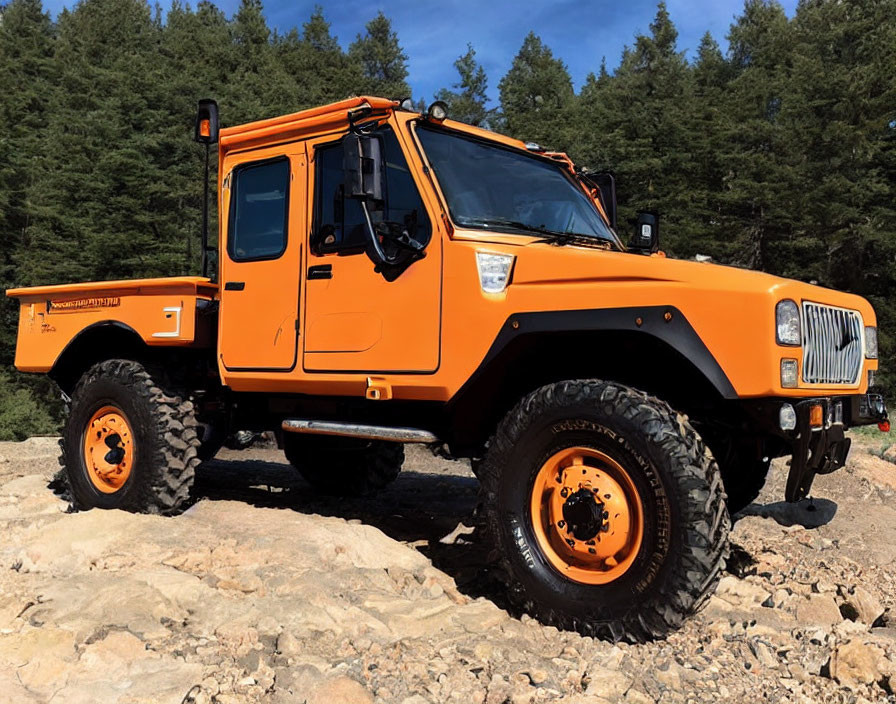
438, 111
534, 147
407, 104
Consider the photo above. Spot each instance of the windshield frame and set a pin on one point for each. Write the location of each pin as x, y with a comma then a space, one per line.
535, 233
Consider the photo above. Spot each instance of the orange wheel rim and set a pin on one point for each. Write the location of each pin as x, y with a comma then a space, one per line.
108, 449
587, 515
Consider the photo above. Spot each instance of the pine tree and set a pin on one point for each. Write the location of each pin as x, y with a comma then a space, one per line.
537, 98
382, 61
760, 180
322, 71
467, 101
636, 123
27, 74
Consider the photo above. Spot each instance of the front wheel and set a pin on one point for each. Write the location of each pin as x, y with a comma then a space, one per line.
606, 509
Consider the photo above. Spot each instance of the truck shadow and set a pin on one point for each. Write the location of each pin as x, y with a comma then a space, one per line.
807, 513
419, 509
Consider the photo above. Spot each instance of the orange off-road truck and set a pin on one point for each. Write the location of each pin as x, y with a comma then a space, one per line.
387, 277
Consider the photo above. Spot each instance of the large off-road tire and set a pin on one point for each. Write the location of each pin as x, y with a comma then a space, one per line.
605, 510
344, 466
130, 440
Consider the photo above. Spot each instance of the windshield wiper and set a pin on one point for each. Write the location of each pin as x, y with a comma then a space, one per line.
505, 222
553, 236
564, 238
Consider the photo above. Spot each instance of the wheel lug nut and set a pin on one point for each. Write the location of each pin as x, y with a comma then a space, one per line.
592, 551
570, 542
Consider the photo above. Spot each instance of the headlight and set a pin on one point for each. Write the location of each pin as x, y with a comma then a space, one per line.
787, 322
870, 342
494, 270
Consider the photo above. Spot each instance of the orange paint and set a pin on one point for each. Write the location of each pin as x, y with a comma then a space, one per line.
598, 484
425, 333
108, 449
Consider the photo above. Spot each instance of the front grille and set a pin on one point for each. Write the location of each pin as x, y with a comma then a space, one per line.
832, 344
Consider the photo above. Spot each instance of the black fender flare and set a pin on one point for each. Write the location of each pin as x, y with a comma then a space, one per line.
666, 324
64, 366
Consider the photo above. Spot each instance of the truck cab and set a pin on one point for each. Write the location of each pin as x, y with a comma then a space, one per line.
387, 277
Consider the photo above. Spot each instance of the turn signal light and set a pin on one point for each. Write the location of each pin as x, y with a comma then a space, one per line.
816, 416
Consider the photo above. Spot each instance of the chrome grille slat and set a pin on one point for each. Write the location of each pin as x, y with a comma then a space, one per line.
832, 344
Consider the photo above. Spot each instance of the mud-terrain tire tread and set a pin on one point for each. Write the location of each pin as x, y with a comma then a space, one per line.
170, 468
344, 466
701, 501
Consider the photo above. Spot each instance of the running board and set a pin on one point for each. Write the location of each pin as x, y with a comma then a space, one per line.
354, 430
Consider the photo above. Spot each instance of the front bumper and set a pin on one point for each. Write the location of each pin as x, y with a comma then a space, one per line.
823, 449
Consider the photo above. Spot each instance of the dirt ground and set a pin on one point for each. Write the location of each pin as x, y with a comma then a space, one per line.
264, 591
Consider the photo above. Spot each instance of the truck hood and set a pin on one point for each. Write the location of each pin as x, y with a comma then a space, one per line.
541, 264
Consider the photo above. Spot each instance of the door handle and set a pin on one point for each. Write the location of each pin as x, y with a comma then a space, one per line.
320, 271
234, 285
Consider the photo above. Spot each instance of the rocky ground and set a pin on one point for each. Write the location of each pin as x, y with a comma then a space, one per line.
265, 592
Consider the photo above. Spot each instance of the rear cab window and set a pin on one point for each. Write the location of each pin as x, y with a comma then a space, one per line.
259, 209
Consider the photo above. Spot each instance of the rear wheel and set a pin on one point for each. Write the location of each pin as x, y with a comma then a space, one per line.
130, 440
344, 466
605, 510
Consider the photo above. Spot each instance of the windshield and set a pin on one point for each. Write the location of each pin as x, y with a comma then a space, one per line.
491, 187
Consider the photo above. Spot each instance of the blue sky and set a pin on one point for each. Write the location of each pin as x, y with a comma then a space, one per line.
433, 35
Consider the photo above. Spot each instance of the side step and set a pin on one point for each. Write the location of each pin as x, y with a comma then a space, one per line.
353, 430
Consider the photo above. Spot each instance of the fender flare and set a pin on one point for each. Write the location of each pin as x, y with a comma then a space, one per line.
665, 324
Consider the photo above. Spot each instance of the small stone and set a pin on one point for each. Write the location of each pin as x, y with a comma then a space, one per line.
537, 676
339, 690
288, 645
823, 586
862, 606
610, 684
780, 597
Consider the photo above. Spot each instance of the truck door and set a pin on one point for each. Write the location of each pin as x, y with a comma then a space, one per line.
263, 201
356, 320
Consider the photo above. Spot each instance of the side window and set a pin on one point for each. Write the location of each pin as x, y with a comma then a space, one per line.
259, 208
339, 224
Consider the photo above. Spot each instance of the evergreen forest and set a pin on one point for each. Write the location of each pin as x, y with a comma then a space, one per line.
778, 154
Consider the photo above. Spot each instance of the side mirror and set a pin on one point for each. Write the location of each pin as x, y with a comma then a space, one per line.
207, 122
606, 183
646, 239
362, 160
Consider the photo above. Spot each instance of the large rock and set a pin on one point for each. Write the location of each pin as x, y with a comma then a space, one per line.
817, 610
739, 592
856, 663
